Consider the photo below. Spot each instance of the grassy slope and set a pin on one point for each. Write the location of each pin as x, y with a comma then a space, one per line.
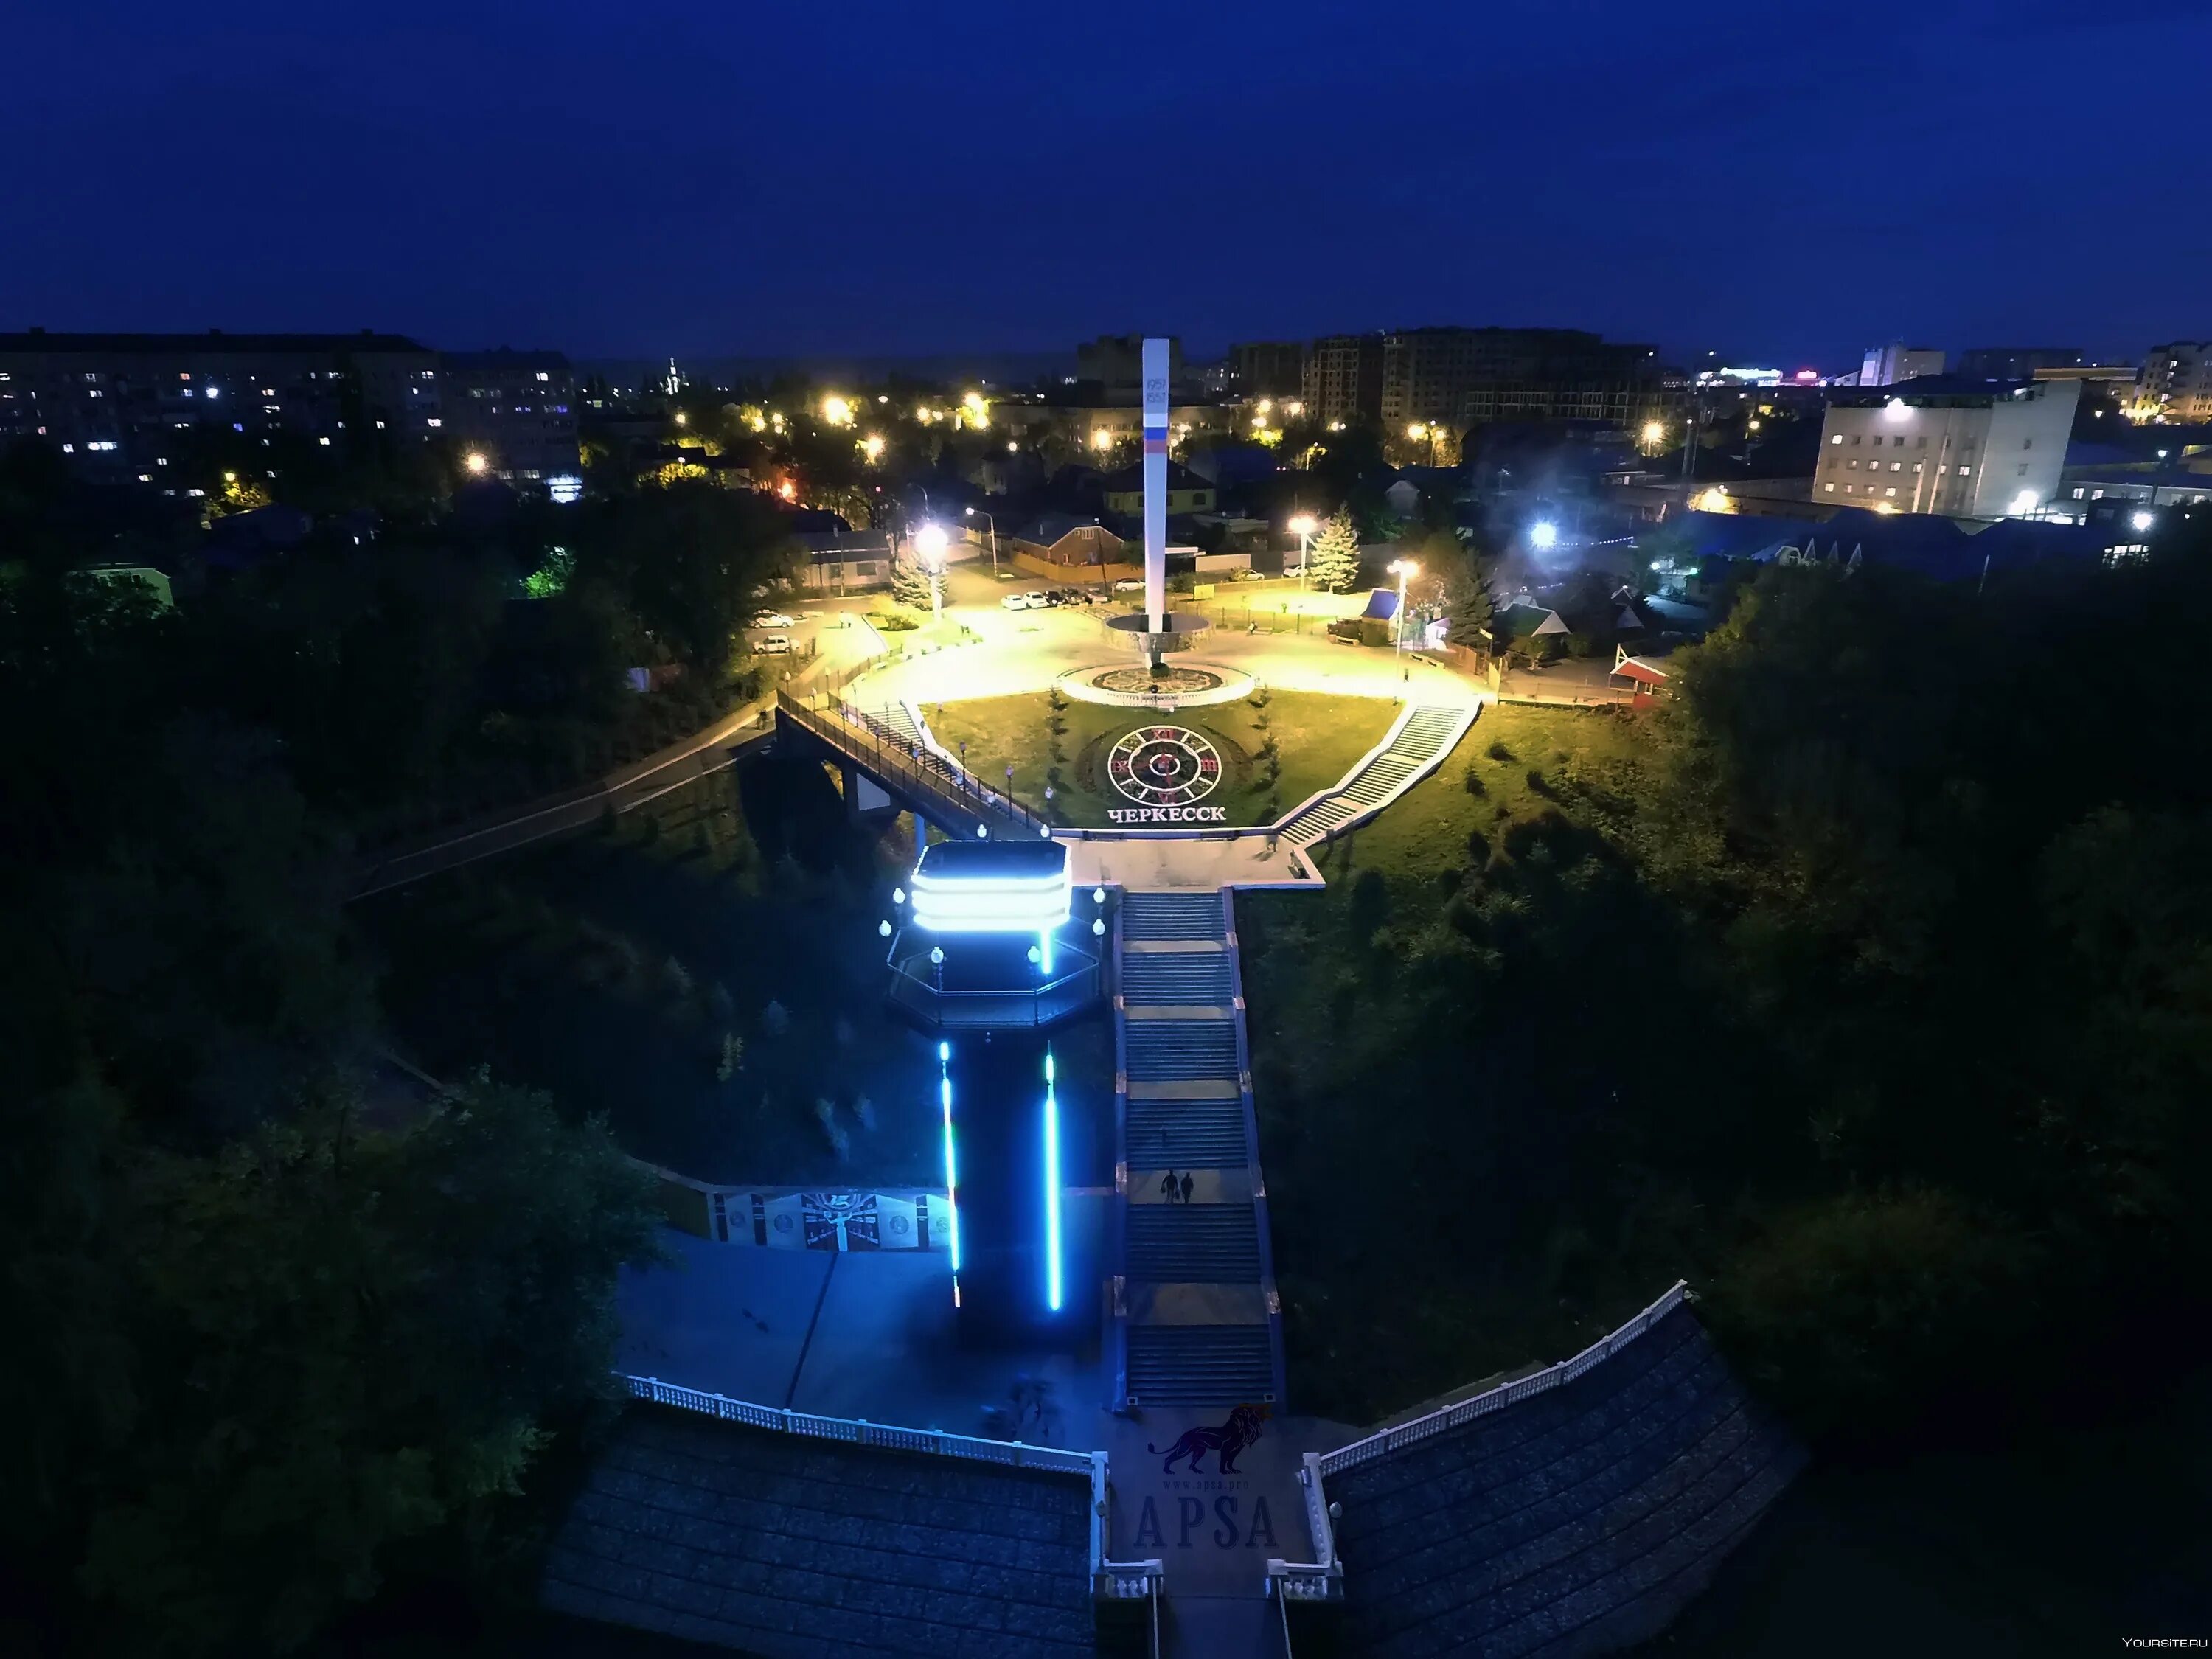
1320, 737
1393, 1232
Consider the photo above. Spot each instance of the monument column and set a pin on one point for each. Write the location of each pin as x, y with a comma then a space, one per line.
1155, 492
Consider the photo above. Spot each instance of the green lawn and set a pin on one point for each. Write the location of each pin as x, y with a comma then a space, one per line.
1318, 739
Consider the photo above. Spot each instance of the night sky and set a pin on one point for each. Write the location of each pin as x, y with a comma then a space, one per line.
1777, 181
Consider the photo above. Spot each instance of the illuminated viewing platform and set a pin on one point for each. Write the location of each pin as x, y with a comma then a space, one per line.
989, 937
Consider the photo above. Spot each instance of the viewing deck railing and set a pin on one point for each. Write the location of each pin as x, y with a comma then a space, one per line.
895, 758
1110, 1581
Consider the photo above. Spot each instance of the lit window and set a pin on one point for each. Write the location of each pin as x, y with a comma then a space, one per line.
2079, 494
1965, 473
1891, 491
1831, 490
325, 442
1838, 439
69, 449
434, 421
1919, 465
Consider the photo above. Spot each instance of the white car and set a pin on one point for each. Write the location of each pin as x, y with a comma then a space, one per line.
1037, 599
774, 644
1130, 585
773, 619
1022, 602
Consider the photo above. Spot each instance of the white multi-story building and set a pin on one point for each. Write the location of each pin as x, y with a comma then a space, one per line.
1966, 449
2175, 386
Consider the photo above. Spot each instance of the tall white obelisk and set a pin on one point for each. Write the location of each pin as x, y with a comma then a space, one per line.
1156, 492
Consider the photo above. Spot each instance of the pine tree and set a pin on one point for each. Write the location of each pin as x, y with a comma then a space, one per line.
1468, 603
1333, 563
910, 579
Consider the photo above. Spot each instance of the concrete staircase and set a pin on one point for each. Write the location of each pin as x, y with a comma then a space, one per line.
1194, 1289
1422, 738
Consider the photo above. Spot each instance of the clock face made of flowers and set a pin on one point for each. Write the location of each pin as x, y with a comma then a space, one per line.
1164, 766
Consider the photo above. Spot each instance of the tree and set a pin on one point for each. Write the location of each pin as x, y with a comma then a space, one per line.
1468, 602
1334, 562
911, 584
689, 561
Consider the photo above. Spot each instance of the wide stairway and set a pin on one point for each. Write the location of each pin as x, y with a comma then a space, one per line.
1423, 738
1195, 1289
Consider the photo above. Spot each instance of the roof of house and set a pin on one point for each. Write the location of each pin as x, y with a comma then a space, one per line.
1129, 480
1575, 1521
791, 1547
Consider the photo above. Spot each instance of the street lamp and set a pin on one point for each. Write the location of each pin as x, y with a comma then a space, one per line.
1401, 569
929, 543
1102, 439
1655, 433
476, 463
1543, 535
993, 525
872, 447
1303, 526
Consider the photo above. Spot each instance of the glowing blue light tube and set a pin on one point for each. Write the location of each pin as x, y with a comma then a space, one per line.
1052, 1275
951, 1168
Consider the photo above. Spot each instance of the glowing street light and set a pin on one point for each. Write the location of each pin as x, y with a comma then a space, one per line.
1401, 569
993, 525
475, 462
1543, 535
2140, 521
1303, 526
1102, 439
1655, 433
929, 541
873, 446
837, 411
682, 419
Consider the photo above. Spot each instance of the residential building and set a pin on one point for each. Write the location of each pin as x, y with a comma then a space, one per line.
113, 403
1342, 378
1187, 492
1268, 368
1970, 449
1887, 365
1463, 377
847, 561
516, 409
2175, 386
2015, 362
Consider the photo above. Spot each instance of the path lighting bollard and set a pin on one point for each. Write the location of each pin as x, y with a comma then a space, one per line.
1098, 928
884, 928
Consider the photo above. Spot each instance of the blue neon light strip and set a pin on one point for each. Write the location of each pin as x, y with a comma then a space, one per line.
952, 1169
1052, 1286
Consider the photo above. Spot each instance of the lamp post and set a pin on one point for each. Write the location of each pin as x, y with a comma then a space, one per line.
1303, 526
929, 543
1401, 569
993, 525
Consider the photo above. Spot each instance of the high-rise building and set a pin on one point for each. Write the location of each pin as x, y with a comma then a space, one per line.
1462, 377
1886, 365
2174, 385
2015, 362
1342, 378
1116, 362
516, 409
1970, 449
1268, 368
115, 402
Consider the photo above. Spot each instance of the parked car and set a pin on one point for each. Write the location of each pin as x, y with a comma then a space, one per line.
1015, 602
1037, 600
774, 644
1130, 585
1246, 575
773, 619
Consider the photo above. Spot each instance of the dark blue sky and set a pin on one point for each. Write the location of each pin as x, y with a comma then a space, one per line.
1778, 180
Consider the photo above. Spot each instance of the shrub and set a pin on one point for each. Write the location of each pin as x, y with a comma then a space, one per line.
775, 1018
865, 1110
676, 978
1475, 785
840, 1142
1499, 752
732, 1057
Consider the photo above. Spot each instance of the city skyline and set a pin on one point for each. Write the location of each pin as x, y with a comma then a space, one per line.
886, 187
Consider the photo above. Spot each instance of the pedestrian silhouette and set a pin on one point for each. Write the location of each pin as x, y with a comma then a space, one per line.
1187, 1184
1168, 1186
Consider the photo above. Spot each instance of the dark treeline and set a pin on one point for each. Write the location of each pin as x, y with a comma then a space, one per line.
284, 1340
1873, 996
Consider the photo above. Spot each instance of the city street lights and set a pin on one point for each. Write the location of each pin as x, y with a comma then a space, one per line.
929, 543
993, 524
1401, 569
1303, 526
1543, 535
1655, 433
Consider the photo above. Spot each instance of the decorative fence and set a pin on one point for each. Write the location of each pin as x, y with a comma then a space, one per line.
1507, 1394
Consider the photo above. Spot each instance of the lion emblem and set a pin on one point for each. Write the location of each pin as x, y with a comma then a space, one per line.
1242, 1428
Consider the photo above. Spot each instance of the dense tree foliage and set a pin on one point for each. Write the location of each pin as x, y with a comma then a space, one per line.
269, 1331
1864, 984
1333, 561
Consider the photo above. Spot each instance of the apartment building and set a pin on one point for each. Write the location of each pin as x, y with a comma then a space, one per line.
515, 409
2175, 386
1968, 449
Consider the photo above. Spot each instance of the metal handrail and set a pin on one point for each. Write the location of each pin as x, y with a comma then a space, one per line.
1507, 1394
860, 1431
844, 725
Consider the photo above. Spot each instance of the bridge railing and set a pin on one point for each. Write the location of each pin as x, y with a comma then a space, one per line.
896, 757
1507, 1394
